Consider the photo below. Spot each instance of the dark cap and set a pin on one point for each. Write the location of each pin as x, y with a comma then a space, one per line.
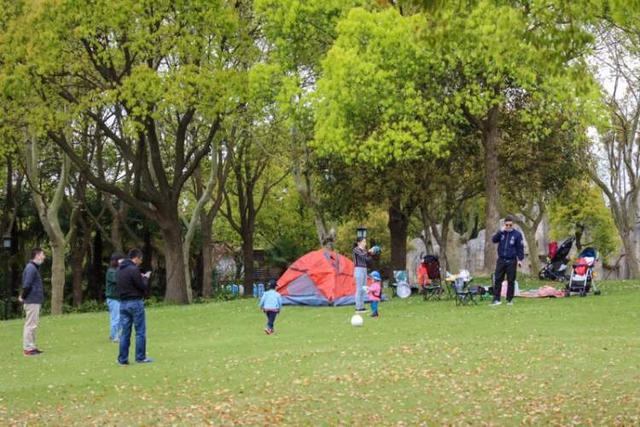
117, 255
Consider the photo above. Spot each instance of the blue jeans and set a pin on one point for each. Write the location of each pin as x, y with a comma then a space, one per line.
360, 275
374, 307
114, 318
132, 314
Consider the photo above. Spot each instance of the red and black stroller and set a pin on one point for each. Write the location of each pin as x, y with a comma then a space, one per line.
581, 280
556, 266
430, 267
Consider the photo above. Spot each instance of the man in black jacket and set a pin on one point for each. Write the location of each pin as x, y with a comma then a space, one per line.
132, 287
510, 256
32, 297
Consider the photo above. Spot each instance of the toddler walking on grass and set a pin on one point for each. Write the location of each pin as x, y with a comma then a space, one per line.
270, 304
375, 292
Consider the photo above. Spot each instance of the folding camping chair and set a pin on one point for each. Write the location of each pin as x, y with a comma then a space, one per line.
462, 293
434, 291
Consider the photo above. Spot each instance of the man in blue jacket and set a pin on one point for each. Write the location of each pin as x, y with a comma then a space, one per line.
510, 256
132, 287
32, 297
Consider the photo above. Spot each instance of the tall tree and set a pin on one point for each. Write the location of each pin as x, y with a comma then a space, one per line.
155, 77
254, 173
444, 185
49, 202
377, 108
496, 52
299, 33
536, 169
615, 166
202, 217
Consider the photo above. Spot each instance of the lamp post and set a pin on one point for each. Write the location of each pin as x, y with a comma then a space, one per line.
361, 231
7, 244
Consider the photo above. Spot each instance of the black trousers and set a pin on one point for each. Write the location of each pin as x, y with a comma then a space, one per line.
505, 267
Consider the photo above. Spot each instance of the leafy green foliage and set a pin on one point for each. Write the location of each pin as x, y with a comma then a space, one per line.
302, 30
285, 227
583, 206
377, 96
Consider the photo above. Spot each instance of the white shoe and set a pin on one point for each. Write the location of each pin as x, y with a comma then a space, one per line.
496, 303
510, 303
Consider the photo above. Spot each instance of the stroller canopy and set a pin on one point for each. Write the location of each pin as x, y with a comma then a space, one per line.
563, 251
588, 253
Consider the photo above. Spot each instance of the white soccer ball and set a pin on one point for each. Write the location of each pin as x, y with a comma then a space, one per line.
356, 320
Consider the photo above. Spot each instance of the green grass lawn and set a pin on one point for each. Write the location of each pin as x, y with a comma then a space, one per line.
546, 361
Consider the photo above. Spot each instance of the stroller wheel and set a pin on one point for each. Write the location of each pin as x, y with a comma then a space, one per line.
597, 292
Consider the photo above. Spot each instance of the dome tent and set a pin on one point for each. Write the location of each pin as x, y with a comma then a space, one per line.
319, 278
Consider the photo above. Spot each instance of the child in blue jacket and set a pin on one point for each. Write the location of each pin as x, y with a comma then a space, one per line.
270, 304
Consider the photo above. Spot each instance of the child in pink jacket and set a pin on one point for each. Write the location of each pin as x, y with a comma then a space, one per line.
374, 292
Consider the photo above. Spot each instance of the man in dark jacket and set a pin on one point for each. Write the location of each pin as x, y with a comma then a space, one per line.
132, 288
32, 297
510, 256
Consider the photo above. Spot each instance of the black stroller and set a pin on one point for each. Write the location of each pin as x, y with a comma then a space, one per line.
557, 264
581, 280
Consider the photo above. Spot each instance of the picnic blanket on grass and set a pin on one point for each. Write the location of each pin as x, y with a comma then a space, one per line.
543, 292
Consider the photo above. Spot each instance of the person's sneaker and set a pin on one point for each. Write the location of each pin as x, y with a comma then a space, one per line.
37, 350
509, 302
268, 331
33, 352
123, 363
361, 310
496, 303
375, 315
145, 360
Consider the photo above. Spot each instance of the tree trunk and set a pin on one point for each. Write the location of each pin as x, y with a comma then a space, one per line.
444, 245
57, 277
625, 219
321, 226
530, 237
631, 258
94, 289
186, 262
207, 256
48, 214
398, 224
16, 269
440, 236
302, 181
116, 233
147, 249
198, 273
176, 290
207, 269
77, 257
490, 139
579, 232
247, 257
